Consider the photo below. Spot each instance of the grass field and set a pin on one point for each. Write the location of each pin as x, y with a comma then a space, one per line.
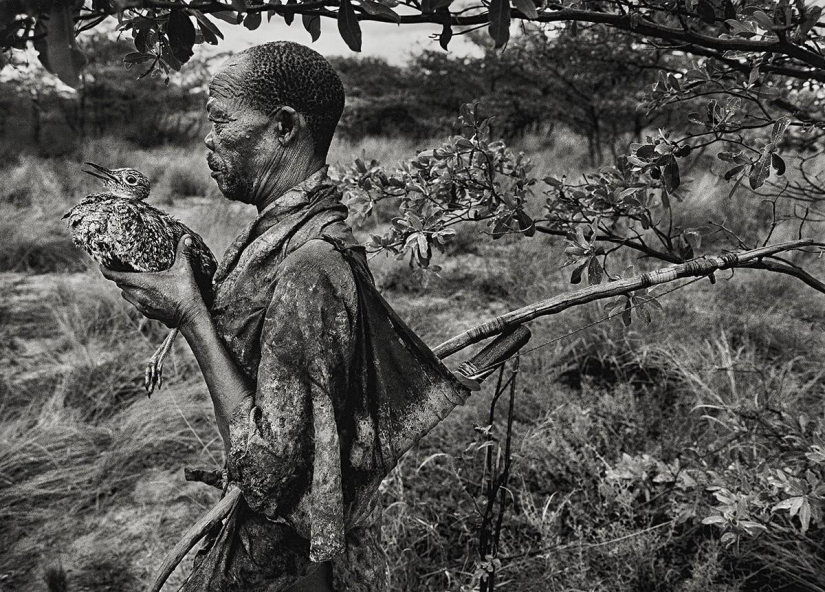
625, 440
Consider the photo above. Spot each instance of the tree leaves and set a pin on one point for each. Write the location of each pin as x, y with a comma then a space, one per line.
57, 50
582, 253
348, 25
211, 33
763, 20
527, 8
760, 171
706, 12
778, 130
431, 6
670, 174
768, 158
252, 21
812, 15
289, 17
468, 178
227, 16
313, 26
445, 36
181, 34
378, 9
778, 164
639, 301
499, 17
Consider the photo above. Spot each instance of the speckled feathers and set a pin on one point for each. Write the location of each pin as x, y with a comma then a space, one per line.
129, 235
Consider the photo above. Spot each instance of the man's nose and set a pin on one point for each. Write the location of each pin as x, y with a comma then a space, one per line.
209, 141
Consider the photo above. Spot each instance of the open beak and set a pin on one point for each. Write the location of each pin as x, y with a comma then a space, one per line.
98, 171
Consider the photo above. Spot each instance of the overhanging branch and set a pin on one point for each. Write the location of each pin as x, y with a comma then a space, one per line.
631, 20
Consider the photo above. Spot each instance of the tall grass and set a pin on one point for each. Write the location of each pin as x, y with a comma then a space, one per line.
90, 468
79, 435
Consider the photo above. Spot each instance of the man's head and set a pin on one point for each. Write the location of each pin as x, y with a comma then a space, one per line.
273, 107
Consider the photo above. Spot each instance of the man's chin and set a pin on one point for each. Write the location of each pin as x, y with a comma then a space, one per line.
232, 191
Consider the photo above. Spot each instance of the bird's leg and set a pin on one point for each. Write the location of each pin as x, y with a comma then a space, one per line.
153, 376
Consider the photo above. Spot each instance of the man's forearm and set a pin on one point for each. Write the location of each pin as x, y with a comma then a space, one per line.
227, 386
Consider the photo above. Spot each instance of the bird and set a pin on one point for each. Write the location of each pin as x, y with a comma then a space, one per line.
119, 230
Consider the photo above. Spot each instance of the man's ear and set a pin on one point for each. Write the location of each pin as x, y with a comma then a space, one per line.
286, 123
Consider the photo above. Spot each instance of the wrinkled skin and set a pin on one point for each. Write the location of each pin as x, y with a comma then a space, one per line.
255, 157
232, 155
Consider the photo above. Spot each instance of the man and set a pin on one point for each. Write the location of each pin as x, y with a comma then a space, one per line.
317, 386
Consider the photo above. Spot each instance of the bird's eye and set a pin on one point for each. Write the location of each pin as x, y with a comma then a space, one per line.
131, 180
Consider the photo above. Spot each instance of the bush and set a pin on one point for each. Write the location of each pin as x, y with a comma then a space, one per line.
185, 180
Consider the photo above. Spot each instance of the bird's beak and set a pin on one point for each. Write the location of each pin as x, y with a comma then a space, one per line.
98, 171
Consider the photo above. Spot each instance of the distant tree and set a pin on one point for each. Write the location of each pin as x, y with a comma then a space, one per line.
380, 100
109, 99
589, 81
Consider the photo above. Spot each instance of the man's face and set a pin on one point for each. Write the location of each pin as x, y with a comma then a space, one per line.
233, 146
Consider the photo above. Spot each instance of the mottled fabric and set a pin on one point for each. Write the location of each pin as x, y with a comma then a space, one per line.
342, 389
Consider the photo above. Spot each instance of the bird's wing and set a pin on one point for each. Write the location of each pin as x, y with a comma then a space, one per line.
90, 223
144, 235
204, 263
130, 235
122, 234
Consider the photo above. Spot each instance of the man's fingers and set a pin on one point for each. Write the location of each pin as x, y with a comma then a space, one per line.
129, 298
134, 300
119, 277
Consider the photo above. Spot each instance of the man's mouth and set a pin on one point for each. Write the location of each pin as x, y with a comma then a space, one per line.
213, 163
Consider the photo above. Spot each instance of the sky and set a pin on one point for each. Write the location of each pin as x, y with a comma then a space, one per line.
389, 41
394, 43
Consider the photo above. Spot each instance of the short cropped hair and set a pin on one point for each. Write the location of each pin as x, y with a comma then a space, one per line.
283, 73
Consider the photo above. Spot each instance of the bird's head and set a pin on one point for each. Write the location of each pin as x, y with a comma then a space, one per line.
128, 183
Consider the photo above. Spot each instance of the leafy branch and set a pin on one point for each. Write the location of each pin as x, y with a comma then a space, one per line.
787, 31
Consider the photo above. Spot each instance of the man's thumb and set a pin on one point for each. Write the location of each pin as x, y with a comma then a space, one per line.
184, 248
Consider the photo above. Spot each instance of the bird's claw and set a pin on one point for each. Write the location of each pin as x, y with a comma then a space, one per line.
153, 375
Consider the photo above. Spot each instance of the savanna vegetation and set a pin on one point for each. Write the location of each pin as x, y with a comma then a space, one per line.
669, 438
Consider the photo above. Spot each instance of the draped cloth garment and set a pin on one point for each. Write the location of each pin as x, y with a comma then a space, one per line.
342, 389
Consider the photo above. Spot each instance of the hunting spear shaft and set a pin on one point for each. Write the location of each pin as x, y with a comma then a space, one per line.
556, 304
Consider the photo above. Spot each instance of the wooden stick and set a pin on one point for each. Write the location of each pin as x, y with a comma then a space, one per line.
695, 267
192, 536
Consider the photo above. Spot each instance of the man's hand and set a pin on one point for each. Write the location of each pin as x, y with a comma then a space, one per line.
171, 297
